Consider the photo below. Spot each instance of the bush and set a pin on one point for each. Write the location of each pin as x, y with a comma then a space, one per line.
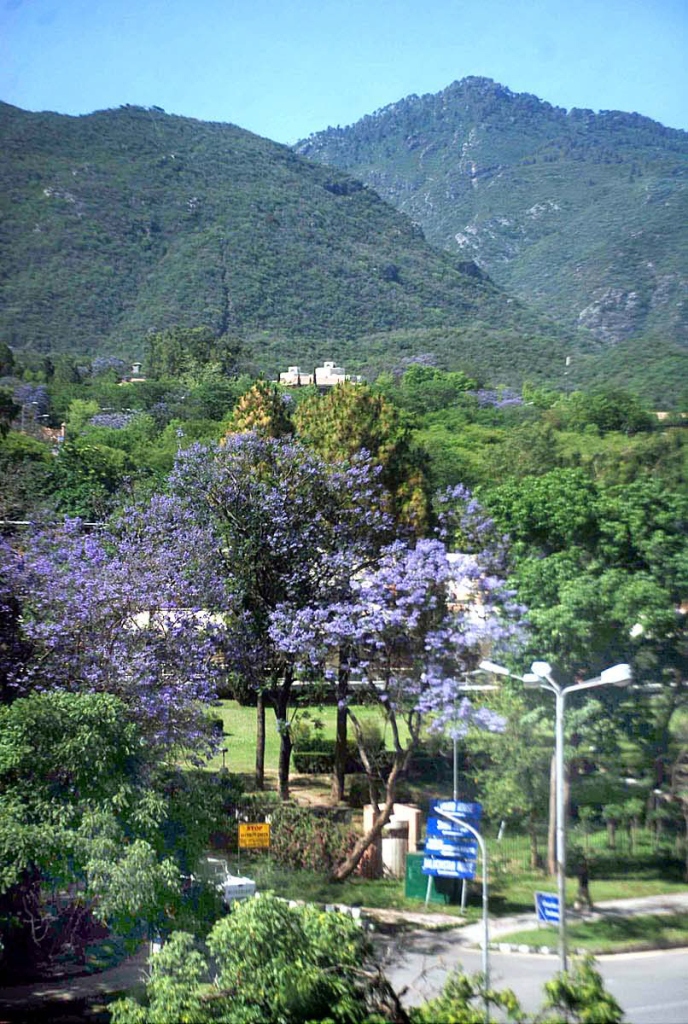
315, 762
301, 839
359, 792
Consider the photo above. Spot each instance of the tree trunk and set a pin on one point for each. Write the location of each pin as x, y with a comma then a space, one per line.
260, 741
282, 712
340, 747
347, 867
611, 834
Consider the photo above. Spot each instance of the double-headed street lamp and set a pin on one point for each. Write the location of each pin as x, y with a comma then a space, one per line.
540, 677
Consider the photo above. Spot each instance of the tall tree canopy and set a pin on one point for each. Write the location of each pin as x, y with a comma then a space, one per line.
350, 419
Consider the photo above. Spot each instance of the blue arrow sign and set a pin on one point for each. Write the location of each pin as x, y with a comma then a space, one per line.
445, 847
547, 907
444, 867
450, 829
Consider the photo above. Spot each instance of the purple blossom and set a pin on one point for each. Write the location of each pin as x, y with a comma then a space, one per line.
498, 398
33, 398
112, 420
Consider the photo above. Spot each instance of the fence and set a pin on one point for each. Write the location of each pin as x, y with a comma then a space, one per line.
513, 851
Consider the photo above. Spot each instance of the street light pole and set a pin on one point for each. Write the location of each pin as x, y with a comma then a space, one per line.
540, 677
561, 824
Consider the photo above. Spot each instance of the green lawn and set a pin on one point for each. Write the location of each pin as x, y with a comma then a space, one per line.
612, 934
618, 874
240, 734
514, 894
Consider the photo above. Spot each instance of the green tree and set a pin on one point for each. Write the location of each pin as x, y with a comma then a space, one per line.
7, 363
26, 465
87, 479
605, 410
351, 418
579, 997
263, 409
80, 412
76, 809
424, 389
514, 765
9, 410
273, 964
179, 352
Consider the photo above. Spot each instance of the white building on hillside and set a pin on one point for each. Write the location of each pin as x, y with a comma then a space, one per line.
329, 375
295, 377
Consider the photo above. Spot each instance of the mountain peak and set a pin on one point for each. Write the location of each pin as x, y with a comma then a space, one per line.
579, 213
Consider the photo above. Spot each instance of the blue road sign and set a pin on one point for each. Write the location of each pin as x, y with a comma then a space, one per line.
444, 846
452, 847
547, 907
450, 830
445, 867
462, 808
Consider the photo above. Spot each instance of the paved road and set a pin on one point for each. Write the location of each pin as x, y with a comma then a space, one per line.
652, 987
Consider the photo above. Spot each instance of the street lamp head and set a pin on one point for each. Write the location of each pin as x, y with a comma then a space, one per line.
497, 670
532, 682
617, 675
542, 669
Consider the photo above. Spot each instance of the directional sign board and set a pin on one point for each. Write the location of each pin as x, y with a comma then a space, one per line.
451, 848
448, 847
444, 867
462, 808
547, 907
442, 829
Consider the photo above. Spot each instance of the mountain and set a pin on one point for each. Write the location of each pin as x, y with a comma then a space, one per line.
126, 221
583, 215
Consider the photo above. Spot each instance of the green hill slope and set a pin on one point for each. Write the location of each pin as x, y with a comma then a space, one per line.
127, 221
583, 215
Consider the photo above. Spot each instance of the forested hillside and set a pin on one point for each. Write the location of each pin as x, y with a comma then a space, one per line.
128, 221
584, 215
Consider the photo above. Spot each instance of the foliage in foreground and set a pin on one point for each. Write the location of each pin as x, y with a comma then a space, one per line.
94, 832
272, 962
577, 996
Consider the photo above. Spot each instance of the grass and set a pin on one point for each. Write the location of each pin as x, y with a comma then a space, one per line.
515, 894
240, 734
507, 895
380, 894
612, 934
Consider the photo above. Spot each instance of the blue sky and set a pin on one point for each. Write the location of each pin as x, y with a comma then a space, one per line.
286, 68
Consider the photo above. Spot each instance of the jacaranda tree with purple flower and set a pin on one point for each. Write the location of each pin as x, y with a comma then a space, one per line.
412, 627
115, 612
108, 661
287, 531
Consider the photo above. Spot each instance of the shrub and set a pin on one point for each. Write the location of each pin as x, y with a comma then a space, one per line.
315, 762
301, 839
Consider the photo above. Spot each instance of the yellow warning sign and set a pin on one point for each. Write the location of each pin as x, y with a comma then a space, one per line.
254, 837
